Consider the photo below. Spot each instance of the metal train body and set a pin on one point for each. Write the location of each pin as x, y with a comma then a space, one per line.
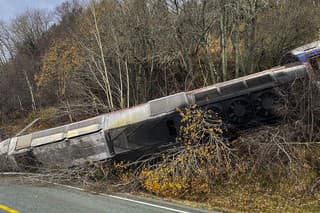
153, 124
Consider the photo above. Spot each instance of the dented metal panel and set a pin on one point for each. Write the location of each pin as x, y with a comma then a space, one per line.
150, 133
84, 127
48, 136
83, 131
24, 142
4, 146
85, 123
51, 131
168, 104
127, 116
74, 152
12, 145
48, 139
290, 74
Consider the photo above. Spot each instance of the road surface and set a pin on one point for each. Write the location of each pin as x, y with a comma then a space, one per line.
27, 198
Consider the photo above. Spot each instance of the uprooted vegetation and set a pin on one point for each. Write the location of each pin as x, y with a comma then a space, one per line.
272, 167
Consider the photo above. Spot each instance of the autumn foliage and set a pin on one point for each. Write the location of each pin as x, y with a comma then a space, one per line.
202, 159
60, 63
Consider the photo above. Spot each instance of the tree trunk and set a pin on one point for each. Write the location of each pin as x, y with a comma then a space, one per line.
121, 83
237, 41
106, 73
252, 45
224, 50
30, 90
128, 84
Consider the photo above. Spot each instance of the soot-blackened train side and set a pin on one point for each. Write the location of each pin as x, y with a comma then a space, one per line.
241, 101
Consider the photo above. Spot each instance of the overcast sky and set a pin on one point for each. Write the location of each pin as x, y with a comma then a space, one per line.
11, 8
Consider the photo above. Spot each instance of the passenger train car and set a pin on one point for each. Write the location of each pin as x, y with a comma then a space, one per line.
155, 123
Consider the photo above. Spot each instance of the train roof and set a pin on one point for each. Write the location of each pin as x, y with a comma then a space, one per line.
306, 51
306, 48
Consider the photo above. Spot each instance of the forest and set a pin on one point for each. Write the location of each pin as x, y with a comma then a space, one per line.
83, 59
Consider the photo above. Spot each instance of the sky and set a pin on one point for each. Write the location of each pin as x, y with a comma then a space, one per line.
11, 8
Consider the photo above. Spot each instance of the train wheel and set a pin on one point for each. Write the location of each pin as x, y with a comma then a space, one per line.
266, 104
240, 111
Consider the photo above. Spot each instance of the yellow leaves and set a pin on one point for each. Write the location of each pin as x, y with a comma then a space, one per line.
59, 63
198, 125
188, 174
123, 172
203, 159
163, 182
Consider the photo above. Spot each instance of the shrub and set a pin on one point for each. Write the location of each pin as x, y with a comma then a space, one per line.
202, 160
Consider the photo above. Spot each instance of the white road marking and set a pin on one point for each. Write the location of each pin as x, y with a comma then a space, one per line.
107, 195
147, 204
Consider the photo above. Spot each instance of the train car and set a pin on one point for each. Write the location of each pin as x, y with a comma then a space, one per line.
308, 54
241, 101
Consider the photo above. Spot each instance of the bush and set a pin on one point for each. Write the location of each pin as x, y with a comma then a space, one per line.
202, 160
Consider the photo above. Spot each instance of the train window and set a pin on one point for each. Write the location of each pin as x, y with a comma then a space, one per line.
315, 62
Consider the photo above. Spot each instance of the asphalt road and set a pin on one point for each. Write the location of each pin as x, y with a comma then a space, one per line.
16, 198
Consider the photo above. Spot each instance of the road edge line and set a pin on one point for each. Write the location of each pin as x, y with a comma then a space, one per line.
112, 196
145, 203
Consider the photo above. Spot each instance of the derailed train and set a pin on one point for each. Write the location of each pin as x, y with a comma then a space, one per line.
153, 124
